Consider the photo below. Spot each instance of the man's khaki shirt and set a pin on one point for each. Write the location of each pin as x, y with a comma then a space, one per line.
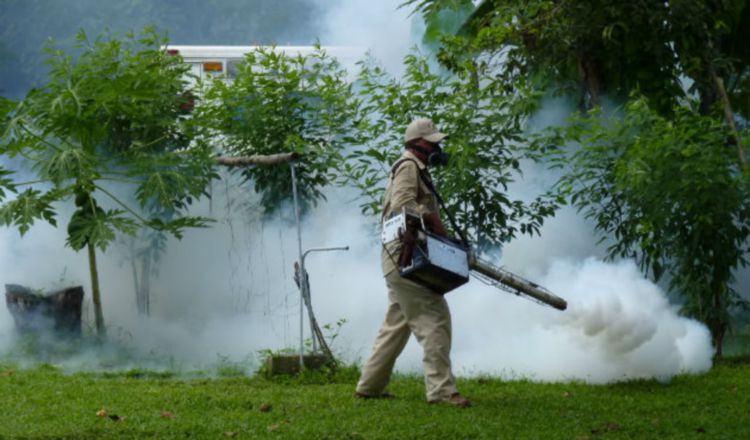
405, 189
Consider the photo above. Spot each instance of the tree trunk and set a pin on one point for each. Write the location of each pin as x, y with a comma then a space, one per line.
136, 282
719, 326
719, 343
145, 287
718, 91
718, 317
142, 281
95, 292
590, 82
729, 116
59, 311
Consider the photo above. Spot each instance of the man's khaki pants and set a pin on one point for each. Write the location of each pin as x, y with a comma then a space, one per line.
412, 309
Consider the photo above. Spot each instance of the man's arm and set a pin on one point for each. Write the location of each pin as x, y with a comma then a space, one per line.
434, 224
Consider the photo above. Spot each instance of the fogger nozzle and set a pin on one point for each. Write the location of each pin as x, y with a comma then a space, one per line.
504, 279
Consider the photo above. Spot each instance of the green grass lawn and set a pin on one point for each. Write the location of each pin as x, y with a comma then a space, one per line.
44, 402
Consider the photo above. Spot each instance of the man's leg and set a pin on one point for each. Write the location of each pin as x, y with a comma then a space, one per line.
393, 336
429, 319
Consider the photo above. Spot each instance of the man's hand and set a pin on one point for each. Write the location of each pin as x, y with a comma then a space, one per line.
434, 224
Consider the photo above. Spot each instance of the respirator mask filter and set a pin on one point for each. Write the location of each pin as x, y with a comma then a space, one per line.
438, 158
435, 158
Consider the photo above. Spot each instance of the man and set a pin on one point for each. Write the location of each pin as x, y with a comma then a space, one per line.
413, 308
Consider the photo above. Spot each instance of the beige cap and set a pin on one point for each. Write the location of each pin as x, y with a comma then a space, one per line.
423, 128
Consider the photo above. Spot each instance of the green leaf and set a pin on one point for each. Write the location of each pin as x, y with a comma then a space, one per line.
6, 183
177, 226
28, 206
91, 224
66, 162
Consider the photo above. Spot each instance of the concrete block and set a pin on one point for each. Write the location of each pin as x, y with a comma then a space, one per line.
289, 364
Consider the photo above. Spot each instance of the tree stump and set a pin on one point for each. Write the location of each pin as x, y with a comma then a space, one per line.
58, 312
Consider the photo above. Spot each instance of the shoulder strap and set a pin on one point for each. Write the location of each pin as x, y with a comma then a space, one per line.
431, 187
400, 162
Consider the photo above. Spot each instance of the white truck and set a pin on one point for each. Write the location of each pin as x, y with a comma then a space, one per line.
208, 61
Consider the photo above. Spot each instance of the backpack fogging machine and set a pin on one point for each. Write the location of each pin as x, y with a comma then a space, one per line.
442, 264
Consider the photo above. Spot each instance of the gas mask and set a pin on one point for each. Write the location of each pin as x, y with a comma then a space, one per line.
436, 158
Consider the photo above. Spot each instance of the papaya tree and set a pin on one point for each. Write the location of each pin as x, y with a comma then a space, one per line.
106, 138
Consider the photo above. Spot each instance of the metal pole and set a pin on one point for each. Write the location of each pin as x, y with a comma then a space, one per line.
304, 289
309, 311
305, 286
302, 270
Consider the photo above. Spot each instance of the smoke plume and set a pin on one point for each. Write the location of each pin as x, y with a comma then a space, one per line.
225, 292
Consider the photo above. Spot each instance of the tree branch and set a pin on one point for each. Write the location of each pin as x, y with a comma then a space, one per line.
724, 97
257, 159
729, 116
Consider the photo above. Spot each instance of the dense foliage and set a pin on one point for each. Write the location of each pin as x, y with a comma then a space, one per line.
278, 102
668, 198
669, 182
485, 126
607, 47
